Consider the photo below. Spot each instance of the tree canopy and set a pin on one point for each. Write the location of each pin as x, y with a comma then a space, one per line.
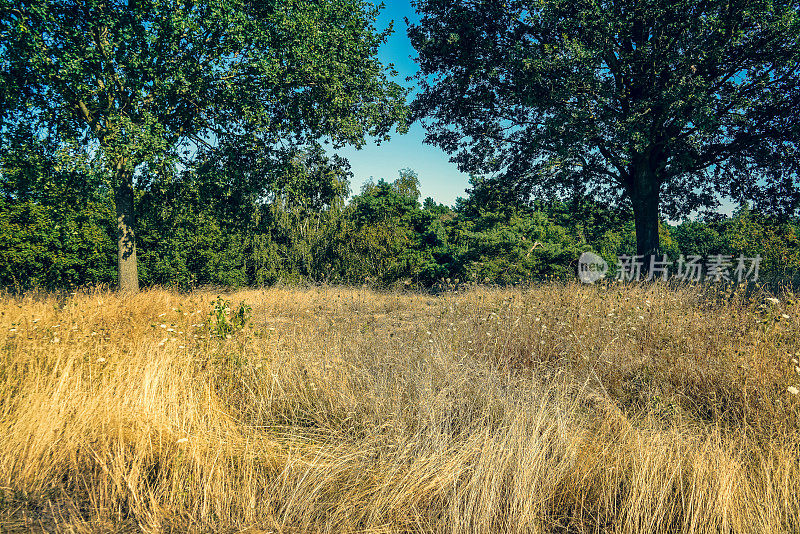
145, 85
666, 106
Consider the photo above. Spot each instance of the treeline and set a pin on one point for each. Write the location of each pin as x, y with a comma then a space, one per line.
293, 222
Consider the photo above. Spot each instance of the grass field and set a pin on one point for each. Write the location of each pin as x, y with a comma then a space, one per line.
561, 408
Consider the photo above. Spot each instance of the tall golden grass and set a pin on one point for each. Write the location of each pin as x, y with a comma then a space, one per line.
561, 408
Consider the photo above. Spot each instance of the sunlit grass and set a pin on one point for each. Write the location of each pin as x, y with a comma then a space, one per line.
562, 408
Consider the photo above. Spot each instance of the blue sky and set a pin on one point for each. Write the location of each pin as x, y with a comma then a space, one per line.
438, 178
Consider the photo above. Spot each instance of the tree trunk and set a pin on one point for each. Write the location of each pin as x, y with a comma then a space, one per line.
126, 234
645, 199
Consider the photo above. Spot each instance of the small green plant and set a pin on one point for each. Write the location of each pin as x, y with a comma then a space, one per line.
222, 323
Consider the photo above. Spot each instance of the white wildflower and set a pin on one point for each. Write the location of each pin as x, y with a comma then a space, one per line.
793, 390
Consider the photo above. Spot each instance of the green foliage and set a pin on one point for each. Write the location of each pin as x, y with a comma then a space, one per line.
699, 238
391, 238
144, 86
662, 107
208, 225
56, 218
751, 233
501, 244
224, 321
203, 227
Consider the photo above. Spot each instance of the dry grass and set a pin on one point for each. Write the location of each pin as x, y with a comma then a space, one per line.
558, 409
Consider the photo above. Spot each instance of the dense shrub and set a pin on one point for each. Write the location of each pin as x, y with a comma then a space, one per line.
210, 226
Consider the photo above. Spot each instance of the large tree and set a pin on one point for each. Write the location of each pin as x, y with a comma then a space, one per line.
142, 83
667, 105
